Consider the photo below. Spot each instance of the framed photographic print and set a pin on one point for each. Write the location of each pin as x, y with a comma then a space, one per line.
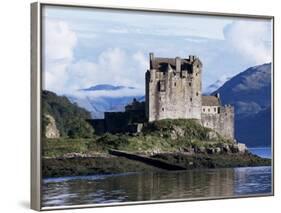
136, 105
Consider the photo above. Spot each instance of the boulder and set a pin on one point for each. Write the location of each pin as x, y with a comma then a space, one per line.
210, 150
225, 148
212, 135
188, 149
242, 147
51, 130
177, 132
234, 148
201, 149
217, 150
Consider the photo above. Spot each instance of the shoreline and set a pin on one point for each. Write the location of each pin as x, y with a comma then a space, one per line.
109, 164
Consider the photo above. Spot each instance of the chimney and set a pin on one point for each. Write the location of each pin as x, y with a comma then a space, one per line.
191, 58
151, 58
217, 95
178, 64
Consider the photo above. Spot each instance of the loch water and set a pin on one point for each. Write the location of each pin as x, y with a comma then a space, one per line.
152, 186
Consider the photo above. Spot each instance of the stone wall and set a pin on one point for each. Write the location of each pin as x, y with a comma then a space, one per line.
222, 122
119, 122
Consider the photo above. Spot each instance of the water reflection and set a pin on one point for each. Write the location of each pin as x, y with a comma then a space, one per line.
156, 186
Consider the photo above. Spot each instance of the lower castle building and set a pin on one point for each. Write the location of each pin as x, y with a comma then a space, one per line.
173, 89
217, 117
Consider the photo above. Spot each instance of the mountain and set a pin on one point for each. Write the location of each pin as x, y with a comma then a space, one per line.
255, 129
69, 119
102, 98
106, 87
216, 85
250, 93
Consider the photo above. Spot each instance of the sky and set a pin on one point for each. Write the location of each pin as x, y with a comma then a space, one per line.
83, 47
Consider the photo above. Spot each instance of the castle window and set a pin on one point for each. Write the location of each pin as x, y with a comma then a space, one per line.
162, 86
215, 109
203, 109
163, 109
190, 84
190, 99
209, 110
175, 84
197, 93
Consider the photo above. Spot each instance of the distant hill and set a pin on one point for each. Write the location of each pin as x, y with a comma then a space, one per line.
250, 93
69, 118
102, 98
98, 105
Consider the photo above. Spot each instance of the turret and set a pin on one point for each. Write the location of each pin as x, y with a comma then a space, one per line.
178, 64
151, 58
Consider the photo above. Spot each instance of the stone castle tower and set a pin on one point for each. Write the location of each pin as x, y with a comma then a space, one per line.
173, 88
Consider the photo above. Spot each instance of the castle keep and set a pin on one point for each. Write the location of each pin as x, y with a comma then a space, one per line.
173, 89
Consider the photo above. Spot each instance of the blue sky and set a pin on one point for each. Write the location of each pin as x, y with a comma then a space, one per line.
84, 47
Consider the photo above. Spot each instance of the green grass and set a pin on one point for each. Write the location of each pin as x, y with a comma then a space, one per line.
61, 146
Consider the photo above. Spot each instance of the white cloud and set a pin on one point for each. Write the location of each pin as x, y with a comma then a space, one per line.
113, 66
62, 73
115, 50
250, 39
58, 44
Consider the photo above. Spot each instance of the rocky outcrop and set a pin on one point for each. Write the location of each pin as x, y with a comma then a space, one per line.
51, 130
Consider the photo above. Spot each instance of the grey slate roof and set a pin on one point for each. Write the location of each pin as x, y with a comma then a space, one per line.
210, 101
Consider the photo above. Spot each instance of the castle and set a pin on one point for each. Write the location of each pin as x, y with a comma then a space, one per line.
173, 89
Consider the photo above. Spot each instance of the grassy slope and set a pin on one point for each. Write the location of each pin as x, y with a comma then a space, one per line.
156, 136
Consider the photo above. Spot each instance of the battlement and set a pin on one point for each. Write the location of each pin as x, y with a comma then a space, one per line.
177, 64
